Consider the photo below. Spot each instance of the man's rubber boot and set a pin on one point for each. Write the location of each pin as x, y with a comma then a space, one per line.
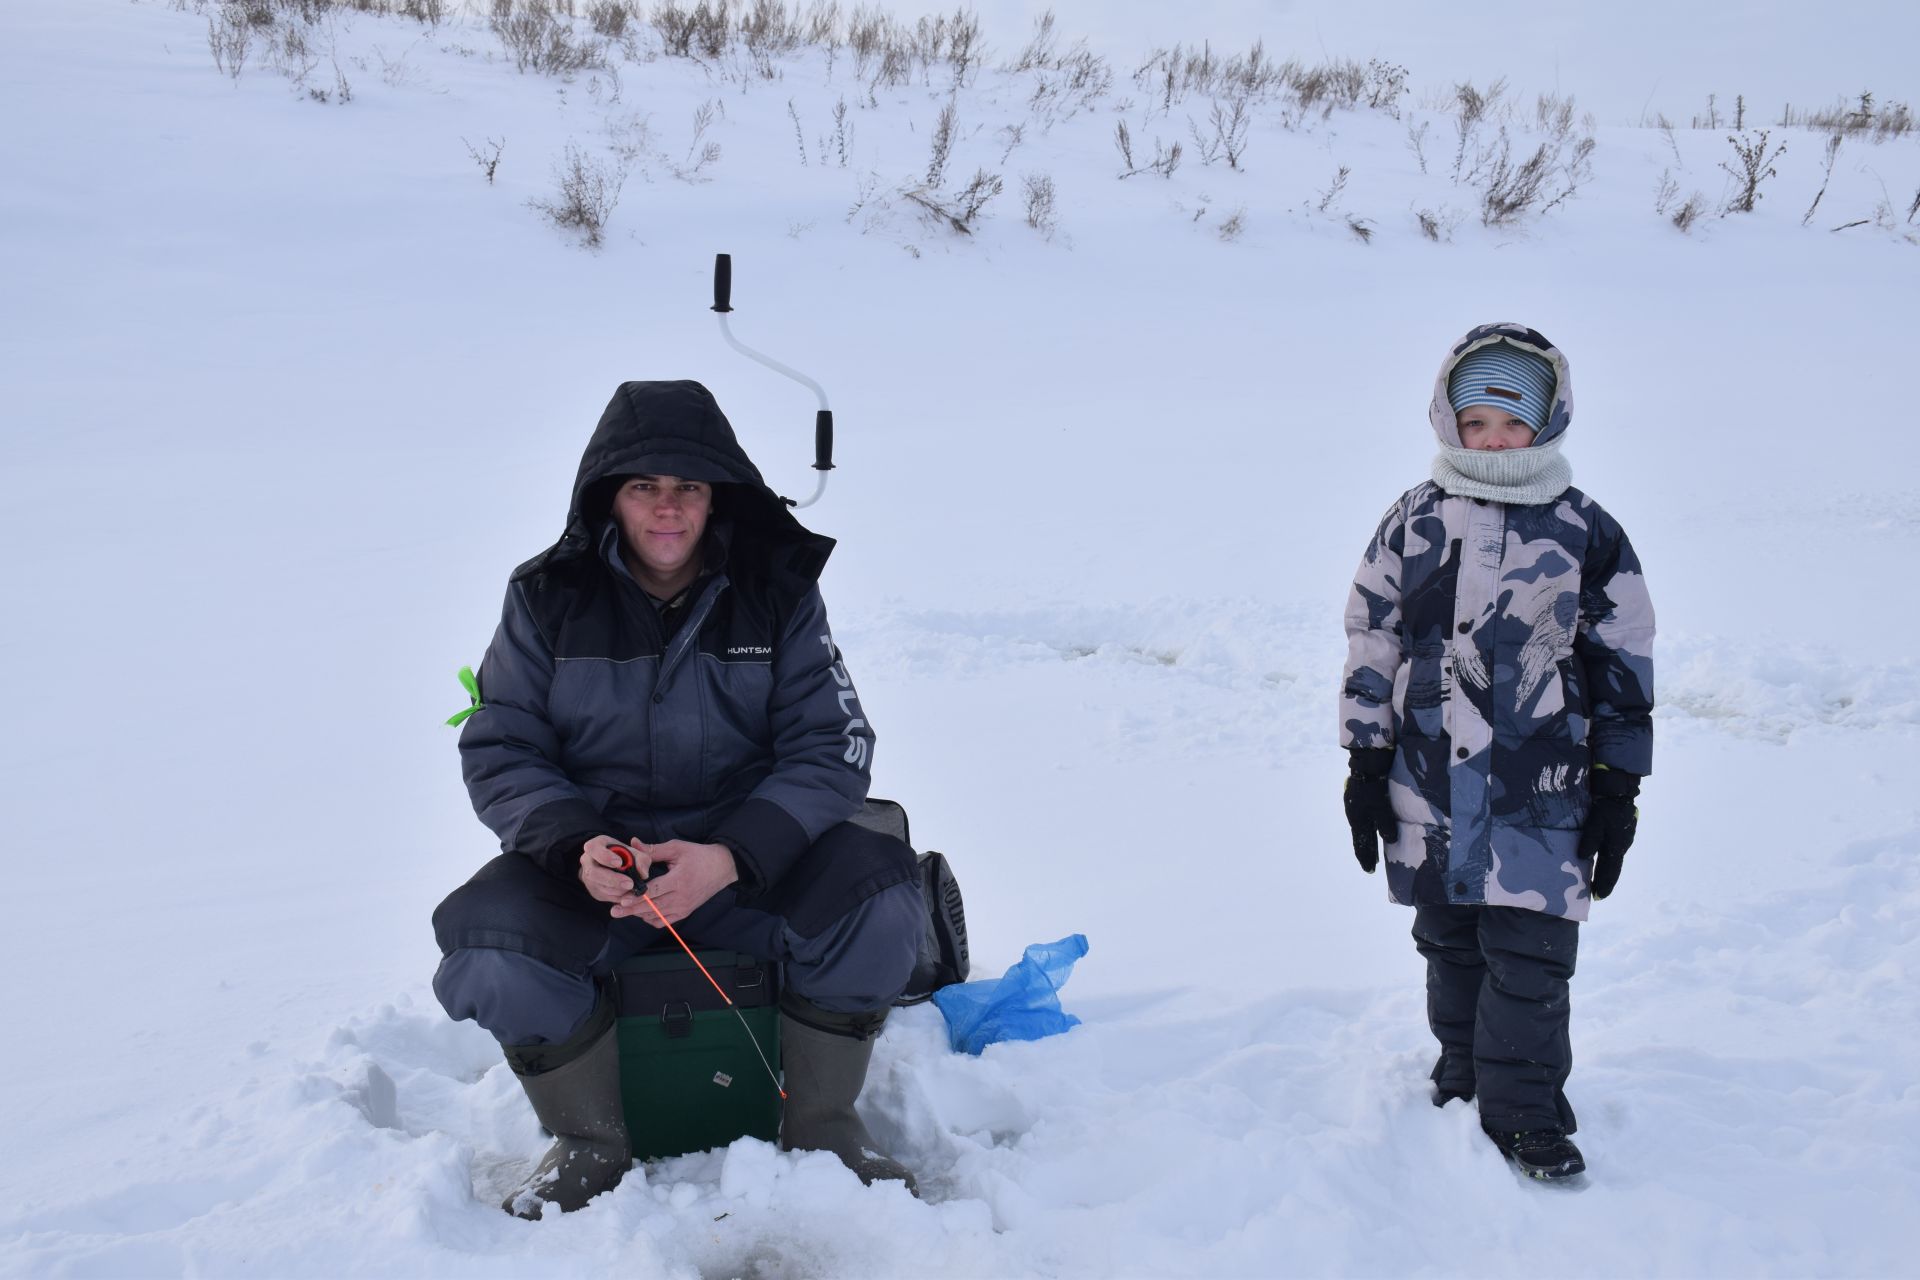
1546, 1154
825, 1056
578, 1101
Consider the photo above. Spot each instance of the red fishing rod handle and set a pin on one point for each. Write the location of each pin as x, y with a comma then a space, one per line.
629, 866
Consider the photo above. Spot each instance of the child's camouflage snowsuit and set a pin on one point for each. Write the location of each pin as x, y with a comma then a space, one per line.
1503, 651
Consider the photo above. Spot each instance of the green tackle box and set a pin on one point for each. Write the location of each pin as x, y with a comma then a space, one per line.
690, 1078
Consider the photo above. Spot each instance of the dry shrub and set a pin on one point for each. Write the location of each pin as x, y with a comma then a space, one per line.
588, 192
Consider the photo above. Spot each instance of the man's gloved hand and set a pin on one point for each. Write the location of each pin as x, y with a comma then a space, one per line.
1368, 811
1611, 822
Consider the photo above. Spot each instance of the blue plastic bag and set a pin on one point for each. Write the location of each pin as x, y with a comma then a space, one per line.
1022, 1005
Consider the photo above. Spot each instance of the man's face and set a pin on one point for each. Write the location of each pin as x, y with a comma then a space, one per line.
661, 519
1486, 426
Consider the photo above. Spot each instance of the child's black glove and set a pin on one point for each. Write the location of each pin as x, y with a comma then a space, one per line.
1611, 822
1368, 811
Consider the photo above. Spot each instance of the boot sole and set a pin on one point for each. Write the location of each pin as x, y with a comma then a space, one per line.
1573, 1175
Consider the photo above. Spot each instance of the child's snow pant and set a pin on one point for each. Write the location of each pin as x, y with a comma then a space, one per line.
524, 951
1497, 1002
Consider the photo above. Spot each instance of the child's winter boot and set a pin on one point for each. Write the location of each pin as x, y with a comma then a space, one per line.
1547, 1154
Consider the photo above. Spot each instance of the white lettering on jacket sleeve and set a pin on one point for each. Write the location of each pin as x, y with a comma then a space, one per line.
856, 753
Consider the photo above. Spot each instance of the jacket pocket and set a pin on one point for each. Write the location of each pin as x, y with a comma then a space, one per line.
736, 720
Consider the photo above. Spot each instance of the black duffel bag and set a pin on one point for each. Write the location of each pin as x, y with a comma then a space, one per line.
943, 945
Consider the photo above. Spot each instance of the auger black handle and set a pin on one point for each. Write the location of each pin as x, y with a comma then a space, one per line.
723, 282
823, 440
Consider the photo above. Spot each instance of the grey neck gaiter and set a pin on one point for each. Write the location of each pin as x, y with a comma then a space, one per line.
1523, 477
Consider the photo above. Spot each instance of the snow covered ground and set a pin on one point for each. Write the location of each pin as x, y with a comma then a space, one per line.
289, 387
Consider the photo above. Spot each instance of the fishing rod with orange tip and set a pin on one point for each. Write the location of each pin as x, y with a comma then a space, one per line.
630, 867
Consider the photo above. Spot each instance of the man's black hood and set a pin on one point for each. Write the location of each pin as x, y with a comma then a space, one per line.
676, 428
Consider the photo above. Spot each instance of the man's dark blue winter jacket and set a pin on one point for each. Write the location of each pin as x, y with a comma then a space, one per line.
738, 725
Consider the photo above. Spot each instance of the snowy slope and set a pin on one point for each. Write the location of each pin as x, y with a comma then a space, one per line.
289, 387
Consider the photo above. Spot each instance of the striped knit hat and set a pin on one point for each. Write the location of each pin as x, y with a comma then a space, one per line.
1507, 377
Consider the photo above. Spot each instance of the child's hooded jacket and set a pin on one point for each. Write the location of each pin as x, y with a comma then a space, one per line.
1503, 651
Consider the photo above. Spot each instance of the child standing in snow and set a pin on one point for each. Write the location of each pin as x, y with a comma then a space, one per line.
1497, 712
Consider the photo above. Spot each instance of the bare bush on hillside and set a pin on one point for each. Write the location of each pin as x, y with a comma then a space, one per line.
1755, 165
396, 72
867, 193
630, 138
892, 68
1226, 134
887, 53
1331, 85
941, 148
822, 23
611, 18
959, 210
1386, 84
799, 134
1666, 193
1233, 226
606, 85
1417, 142
1472, 107
769, 28
1362, 229
1013, 135
1861, 117
540, 41
587, 193
1039, 50
1553, 115
1517, 184
701, 152
1689, 213
1510, 189
1169, 76
868, 33
1065, 84
427, 12
1041, 212
1573, 160
1438, 224
701, 31
1331, 196
1666, 131
971, 200
1165, 159
228, 37
841, 139
291, 53
757, 58
488, 158
952, 39
674, 25
1833, 154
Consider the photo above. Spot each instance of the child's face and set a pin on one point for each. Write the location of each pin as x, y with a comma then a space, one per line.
1485, 426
